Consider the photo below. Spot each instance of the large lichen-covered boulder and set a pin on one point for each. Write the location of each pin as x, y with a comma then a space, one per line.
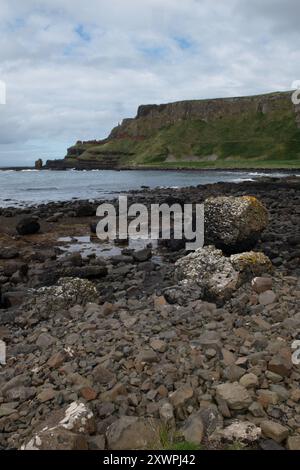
234, 224
213, 276
210, 270
68, 292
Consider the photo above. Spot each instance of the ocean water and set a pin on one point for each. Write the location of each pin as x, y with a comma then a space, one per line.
31, 187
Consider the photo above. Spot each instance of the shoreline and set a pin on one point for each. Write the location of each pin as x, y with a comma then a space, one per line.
147, 168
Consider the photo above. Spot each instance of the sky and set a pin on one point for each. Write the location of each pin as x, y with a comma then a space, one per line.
74, 69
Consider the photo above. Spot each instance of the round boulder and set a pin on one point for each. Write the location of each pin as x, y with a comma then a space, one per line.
234, 224
28, 226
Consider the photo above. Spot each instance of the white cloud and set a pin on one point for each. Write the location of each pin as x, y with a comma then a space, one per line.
74, 70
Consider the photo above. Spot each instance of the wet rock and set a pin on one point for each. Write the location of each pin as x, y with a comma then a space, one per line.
142, 255
28, 226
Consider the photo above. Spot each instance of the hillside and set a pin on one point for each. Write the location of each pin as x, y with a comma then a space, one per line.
248, 132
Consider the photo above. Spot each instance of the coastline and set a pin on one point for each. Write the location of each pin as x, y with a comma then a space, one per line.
157, 168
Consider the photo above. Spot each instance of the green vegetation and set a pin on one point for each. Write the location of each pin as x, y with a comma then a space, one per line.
253, 140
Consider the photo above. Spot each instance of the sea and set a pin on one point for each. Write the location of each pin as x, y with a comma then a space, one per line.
32, 187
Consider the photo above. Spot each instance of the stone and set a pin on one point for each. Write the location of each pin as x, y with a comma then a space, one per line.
142, 255
2, 352
46, 395
267, 397
102, 375
261, 284
266, 298
251, 263
193, 430
159, 303
133, 433
256, 409
269, 444
293, 442
249, 380
45, 340
235, 395
64, 430
166, 413
274, 430
238, 431
147, 356
181, 396
158, 345
281, 366
96, 442
6, 410
114, 393
57, 439
234, 223
211, 418
57, 359
88, 393
28, 226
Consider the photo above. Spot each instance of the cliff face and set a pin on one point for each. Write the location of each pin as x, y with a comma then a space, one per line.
254, 131
151, 118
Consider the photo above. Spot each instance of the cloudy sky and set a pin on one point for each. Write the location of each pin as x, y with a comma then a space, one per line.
74, 68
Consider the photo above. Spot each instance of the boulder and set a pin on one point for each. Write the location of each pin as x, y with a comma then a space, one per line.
235, 395
64, 430
234, 223
66, 294
132, 433
210, 270
239, 431
28, 226
214, 276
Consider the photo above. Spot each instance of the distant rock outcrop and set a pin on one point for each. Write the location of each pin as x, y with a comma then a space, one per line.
38, 164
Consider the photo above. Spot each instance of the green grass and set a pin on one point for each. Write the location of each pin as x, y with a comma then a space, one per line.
253, 140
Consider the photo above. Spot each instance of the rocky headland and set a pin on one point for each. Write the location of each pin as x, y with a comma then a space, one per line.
149, 347
246, 132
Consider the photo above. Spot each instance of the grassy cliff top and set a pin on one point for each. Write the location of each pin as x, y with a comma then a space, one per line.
251, 132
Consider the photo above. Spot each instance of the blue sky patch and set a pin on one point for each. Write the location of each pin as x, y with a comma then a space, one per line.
82, 33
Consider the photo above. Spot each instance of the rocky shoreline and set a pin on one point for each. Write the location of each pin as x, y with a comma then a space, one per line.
104, 344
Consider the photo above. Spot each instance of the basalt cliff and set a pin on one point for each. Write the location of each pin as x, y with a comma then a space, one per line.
260, 131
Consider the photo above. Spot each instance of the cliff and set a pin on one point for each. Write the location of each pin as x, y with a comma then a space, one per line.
253, 131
